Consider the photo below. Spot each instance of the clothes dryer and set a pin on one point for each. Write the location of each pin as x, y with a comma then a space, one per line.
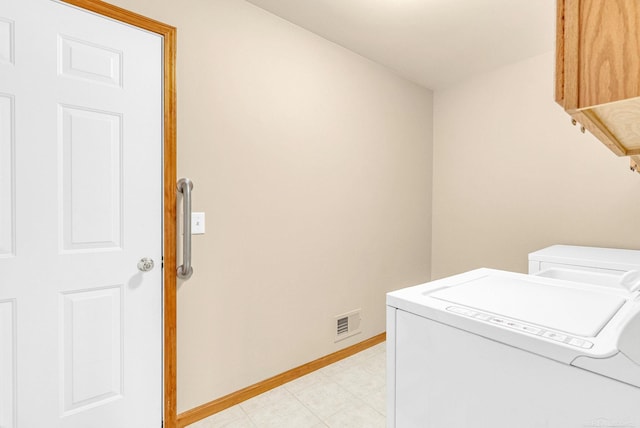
605, 266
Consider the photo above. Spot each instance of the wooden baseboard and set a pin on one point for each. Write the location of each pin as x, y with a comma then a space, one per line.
215, 406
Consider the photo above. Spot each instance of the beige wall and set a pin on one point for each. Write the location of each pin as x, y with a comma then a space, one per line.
313, 166
511, 175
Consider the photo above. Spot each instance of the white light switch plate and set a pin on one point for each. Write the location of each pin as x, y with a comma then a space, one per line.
197, 223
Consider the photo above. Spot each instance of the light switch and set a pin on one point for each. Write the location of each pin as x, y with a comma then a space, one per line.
197, 223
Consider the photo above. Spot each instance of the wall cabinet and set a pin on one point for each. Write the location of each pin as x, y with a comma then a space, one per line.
598, 70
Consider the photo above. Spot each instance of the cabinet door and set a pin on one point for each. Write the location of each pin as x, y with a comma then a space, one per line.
601, 52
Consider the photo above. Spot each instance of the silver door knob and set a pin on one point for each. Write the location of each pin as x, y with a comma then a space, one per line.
145, 264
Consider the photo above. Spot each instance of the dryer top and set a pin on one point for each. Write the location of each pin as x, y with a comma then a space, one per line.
589, 257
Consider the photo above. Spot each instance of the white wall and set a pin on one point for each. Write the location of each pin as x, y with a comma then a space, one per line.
313, 166
511, 175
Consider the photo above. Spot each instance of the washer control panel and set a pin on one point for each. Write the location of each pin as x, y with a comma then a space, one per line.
516, 325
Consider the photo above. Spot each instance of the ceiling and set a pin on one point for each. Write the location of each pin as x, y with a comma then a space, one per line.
432, 42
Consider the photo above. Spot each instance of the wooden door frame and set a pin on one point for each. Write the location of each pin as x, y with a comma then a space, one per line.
169, 186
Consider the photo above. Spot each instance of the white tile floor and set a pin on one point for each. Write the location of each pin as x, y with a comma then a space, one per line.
347, 394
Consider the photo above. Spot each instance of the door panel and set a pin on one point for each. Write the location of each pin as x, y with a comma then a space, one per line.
83, 60
6, 41
92, 351
91, 166
6, 176
81, 189
7, 363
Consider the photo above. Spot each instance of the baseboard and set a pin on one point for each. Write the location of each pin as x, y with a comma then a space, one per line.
215, 406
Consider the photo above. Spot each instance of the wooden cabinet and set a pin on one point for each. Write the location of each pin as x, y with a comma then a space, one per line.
598, 70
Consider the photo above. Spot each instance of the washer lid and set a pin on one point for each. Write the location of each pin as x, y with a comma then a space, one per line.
574, 310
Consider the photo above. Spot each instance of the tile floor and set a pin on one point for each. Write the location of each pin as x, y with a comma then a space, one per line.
346, 394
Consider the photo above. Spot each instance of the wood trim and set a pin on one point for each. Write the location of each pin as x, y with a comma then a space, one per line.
170, 143
124, 15
215, 406
170, 232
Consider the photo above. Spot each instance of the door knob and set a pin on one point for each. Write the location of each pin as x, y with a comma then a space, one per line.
145, 264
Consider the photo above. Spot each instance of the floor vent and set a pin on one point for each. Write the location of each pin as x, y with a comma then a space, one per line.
347, 325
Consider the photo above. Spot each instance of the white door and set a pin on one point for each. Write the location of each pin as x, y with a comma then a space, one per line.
80, 205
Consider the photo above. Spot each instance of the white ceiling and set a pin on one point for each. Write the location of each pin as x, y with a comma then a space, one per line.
431, 42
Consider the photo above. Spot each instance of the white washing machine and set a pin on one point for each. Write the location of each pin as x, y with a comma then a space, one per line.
495, 349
